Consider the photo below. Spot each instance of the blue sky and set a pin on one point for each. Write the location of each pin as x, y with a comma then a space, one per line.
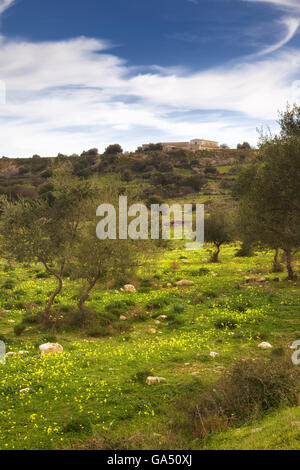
80, 74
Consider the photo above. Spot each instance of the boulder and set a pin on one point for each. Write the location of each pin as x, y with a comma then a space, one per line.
154, 380
51, 348
185, 282
265, 345
129, 288
213, 354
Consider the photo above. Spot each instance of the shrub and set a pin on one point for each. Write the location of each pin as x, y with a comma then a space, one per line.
178, 308
246, 392
98, 331
225, 323
157, 304
19, 329
49, 339
141, 376
43, 275
137, 314
9, 284
77, 425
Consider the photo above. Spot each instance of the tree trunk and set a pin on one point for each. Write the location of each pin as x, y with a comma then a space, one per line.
52, 298
277, 268
291, 275
59, 277
215, 256
86, 294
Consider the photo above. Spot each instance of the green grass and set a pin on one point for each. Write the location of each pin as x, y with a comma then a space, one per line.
91, 394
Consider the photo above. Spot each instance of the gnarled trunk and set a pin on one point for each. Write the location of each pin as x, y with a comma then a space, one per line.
291, 275
52, 298
277, 268
215, 256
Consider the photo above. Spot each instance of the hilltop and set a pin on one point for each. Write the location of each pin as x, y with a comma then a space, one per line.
160, 174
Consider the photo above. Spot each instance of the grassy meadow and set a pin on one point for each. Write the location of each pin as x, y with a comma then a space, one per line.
95, 396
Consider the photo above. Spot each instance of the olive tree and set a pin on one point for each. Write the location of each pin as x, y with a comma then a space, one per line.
218, 230
269, 192
46, 232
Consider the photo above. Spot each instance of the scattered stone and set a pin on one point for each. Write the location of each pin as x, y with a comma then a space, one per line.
169, 284
154, 380
163, 317
50, 348
130, 288
123, 318
185, 282
254, 277
157, 322
185, 261
152, 330
265, 345
23, 352
256, 430
25, 390
213, 354
10, 353
295, 423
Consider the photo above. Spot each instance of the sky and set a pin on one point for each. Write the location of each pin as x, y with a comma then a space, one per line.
79, 74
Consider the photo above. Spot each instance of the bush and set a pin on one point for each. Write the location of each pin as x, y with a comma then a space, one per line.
141, 376
19, 329
98, 331
81, 424
157, 304
178, 308
245, 393
222, 323
43, 275
9, 284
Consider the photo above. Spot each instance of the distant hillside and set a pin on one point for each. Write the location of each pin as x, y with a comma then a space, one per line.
157, 174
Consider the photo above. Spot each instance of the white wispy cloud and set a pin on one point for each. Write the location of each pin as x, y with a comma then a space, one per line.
291, 25
70, 95
294, 4
4, 4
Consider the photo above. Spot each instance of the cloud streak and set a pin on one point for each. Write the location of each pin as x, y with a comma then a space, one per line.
291, 25
286, 4
5, 4
70, 95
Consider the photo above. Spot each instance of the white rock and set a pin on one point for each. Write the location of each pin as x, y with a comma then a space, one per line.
213, 354
25, 390
265, 345
154, 380
10, 353
163, 317
169, 284
185, 282
50, 348
129, 288
123, 318
152, 330
256, 430
23, 352
157, 322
